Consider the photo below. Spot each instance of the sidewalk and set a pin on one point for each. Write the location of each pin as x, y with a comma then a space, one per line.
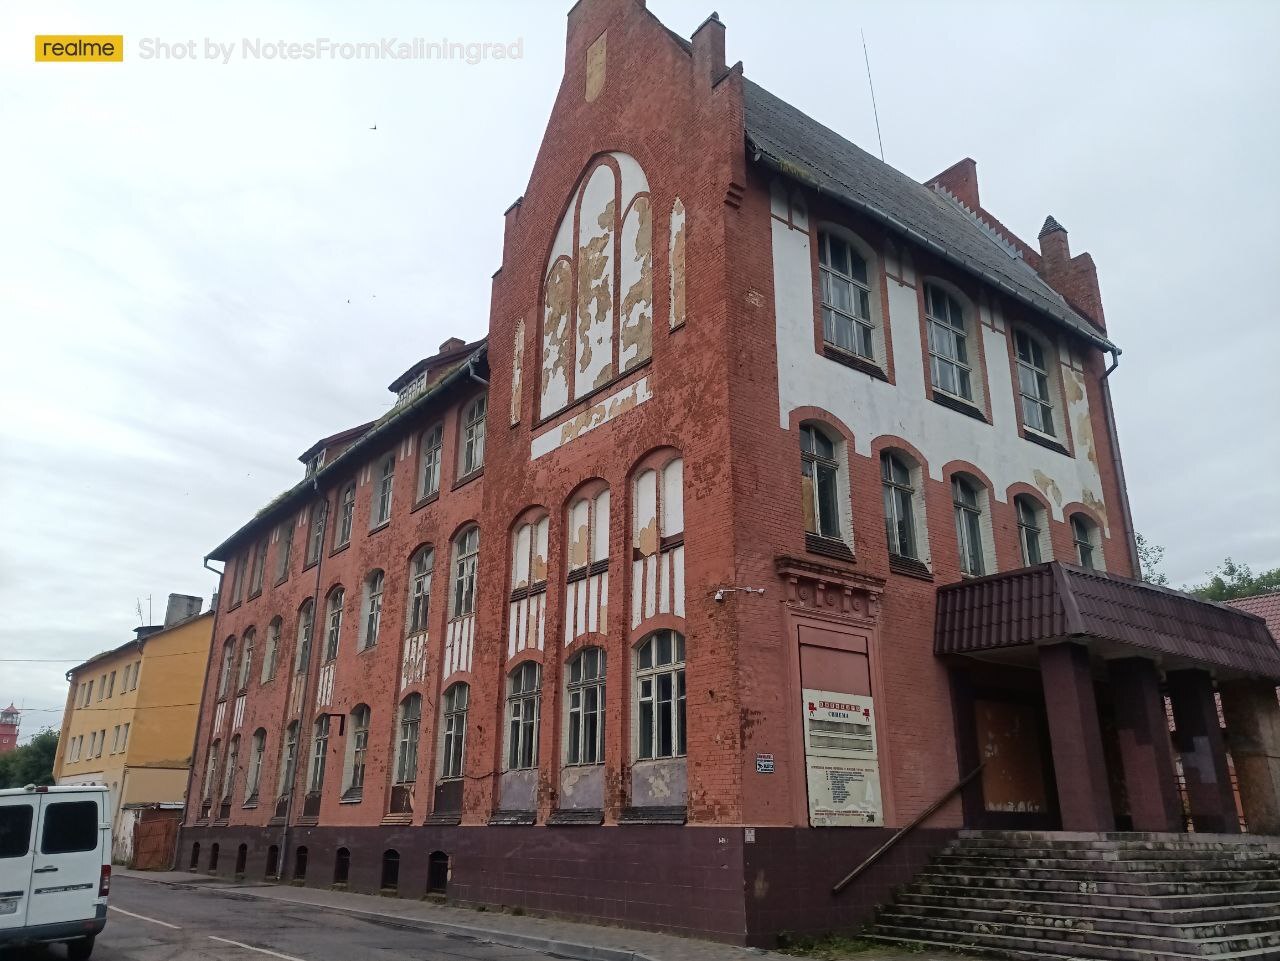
586, 942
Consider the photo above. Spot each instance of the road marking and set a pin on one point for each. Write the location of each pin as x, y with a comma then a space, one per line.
143, 917
250, 947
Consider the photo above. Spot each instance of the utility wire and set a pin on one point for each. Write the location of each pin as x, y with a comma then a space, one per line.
867, 57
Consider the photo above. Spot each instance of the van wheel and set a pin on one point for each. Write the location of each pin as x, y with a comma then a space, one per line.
81, 949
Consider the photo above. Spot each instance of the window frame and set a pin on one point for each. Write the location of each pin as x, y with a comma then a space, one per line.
970, 539
471, 450
1042, 376
648, 742
334, 605
247, 643
812, 463
864, 331
585, 726
374, 587
1086, 534
361, 716
383, 492
952, 324
1037, 522
315, 532
430, 461
344, 520
409, 732
454, 707
288, 760
258, 571
463, 585
271, 653
227, 668
418, 608
898, 493
305, 632
285, 541
524, 714
319, 754
253, 773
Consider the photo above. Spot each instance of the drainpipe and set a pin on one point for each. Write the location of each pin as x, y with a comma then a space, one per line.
1126, 513
306, 684
204, 693
471, 371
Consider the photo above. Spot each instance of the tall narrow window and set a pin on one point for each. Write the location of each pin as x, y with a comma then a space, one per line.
124, 737
288, 760
319, 753
524, 704
315, 532
948, 349
1085, 535
228, 663
899, 506
819, 472
372, 609
660, 722
466, 553
1033, 384
246, 660
846, 297
1030, 529
346, 514
237, 582
407, 746
420, 590
302, 660
334, 631
429, 466
455, 730
358, 746
968, 510
381, 512
284, 540
210, 770
253, 776
586, 707
259, 567
271, 656
233, 762
473, 435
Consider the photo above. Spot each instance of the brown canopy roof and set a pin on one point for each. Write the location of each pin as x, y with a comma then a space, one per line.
1058, 601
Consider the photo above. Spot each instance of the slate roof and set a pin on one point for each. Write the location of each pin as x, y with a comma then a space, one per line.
1265, 606
801, 148
1057, 601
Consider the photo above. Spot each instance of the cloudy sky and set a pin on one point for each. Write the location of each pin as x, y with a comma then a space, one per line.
204, 267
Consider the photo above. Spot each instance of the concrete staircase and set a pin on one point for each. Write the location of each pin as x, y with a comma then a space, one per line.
1119, 897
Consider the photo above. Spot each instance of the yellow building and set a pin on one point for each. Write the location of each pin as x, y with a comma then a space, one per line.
131, 715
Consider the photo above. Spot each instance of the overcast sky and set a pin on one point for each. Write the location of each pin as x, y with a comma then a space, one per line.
205, 267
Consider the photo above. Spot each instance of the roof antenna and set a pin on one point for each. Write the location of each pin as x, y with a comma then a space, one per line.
867, 58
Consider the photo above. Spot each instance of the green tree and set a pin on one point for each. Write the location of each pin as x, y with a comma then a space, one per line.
1151, 559
1232, 580
32, 763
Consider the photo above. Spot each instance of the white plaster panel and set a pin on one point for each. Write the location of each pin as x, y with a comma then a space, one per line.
597, 220
635, 342
873, 408
606, 410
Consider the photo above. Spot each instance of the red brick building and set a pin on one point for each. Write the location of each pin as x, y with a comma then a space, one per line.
784, 491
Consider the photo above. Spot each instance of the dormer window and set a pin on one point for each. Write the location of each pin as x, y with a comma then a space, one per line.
412, 389
314, 463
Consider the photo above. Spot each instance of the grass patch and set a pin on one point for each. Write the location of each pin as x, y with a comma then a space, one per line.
828, 947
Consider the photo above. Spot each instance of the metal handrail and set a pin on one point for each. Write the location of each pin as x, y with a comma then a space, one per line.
902, 832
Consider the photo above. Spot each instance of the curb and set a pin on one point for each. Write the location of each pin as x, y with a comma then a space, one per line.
567, 949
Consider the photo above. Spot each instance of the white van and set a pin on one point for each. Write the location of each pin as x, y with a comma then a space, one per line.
55, 866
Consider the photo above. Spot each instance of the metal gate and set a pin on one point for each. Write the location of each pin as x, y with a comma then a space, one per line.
155, 838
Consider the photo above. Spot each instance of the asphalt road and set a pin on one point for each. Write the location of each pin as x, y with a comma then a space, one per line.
156, 922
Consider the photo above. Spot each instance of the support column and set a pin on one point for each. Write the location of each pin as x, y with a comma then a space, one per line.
1146, 752
1079, 767
1198, 738
1252, 714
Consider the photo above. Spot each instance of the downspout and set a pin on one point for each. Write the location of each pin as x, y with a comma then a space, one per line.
471, 371
204, 693
1126, 513
306, 685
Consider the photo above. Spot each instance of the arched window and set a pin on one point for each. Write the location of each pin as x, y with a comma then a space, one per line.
246, 660
1032, 532
968, 501
899, 506
847, 322
253, 778
288, 760
341, 865
407, 744
949, 364
524, 705
315, 532
211, 769
380, 510
357, 746
472, 451
429, 461
259, 566
346, 514
229, 775
527, 604
585, 690
390, 870
587, 591
284, 538
660, 696
1034, 384
271, 656
1088, 541
300, 863
372, 609
302, 659
333, 634
228, 663
657, 539
420, 590
319, 753
819, 478
466, 553
455, 730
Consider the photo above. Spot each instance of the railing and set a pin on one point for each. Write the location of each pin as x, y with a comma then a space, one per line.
923, 816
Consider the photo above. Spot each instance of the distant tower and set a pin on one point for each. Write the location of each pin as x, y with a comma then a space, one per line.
8, 729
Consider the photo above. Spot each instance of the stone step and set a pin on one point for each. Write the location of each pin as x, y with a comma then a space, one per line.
1237, 935
1121, 842
1085, 855
1198, 915
1028, 949
1156, 902
1107, 870
942, 881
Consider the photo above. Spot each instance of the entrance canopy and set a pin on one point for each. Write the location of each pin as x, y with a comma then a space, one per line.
1114, 616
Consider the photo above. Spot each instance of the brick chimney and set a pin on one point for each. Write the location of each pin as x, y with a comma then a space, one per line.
453, 343
708, 48
1076, 278
961, 181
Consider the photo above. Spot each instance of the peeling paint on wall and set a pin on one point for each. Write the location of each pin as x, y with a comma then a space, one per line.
517, 368
596, 227
595, 67
636, 336
1048, 486
591, 418
558, 301
676, 261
